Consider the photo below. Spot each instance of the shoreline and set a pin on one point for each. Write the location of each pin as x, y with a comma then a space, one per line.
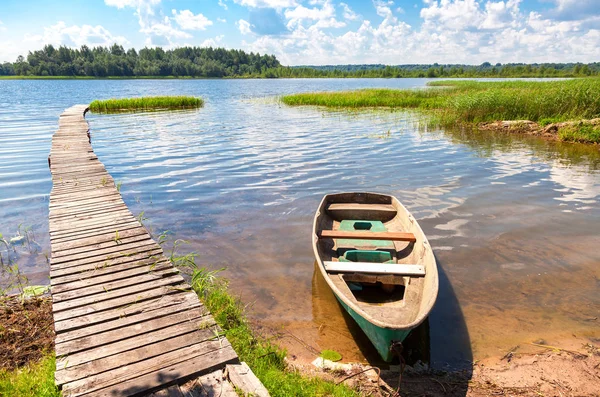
495, 78
550, 132
569, 368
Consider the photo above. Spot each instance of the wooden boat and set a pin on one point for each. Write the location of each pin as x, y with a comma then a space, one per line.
378, 263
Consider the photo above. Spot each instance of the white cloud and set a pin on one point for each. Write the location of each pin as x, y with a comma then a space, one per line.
214, 42
324, 16
223, 4
349, 15
222, 20
243, 26
158, 29
75, 36
188, 21
130, 3
452, 31
267, 3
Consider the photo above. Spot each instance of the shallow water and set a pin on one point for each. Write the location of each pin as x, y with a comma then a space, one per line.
514, 221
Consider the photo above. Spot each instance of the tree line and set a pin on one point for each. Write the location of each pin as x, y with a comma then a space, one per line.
115, 61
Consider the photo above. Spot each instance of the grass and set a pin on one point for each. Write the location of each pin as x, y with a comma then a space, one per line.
36, 379
580, 133
145, 104
265, 358
471, 102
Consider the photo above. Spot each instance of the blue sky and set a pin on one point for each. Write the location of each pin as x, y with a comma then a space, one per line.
318, 31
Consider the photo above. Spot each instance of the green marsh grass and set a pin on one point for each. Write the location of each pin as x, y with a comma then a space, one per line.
35, 379
146, 104
453, 102
264, 358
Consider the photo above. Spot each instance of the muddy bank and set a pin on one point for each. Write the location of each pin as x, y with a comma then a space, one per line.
550, 131
26, 330
528, 370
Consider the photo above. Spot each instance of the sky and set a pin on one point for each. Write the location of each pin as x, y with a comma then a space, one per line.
318, 32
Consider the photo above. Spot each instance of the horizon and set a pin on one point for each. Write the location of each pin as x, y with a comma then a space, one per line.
320, 32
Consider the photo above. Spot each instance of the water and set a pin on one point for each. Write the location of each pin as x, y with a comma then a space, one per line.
514, 221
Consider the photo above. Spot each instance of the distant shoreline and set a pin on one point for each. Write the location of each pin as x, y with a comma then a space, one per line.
271, 78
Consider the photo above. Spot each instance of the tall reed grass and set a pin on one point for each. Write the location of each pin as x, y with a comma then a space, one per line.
459, 101
146, 104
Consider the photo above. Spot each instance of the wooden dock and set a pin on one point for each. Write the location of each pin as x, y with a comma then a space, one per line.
126, 322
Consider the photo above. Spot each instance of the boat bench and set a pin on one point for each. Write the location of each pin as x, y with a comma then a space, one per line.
368, 235
375, 268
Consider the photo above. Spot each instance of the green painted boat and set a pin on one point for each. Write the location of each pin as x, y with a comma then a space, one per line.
378, 263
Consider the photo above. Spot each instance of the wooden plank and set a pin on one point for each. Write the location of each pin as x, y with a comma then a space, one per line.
162, 370
112, 285
242, 377
85, 201
358, 207
71, 260
375, 268
142, 347
77, 282
103, 209
368, 235
123, 302
124, 331
135, 336
110, 295
101, 261
99, 232
143, 305
168, 305
95, 244
143, 258
91, 228
215, 384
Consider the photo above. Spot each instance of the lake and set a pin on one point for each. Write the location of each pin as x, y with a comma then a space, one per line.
514, 221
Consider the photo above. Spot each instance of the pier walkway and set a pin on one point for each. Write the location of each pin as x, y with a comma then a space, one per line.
126, 322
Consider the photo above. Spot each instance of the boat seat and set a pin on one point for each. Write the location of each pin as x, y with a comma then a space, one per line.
383, 212
375, 268
368, 235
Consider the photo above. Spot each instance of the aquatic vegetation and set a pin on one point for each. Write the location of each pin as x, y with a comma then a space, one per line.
470, 102
145, 104
331, 355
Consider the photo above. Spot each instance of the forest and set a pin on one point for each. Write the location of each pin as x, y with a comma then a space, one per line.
208, 62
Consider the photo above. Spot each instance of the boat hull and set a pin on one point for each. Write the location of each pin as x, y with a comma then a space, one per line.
381, 338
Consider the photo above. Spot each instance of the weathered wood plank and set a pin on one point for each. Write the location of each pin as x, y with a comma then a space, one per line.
73, 259
118, 240
154, 373
215, 384
112, 285
143, 305
120, 302
242, 377
166, 306
113, 354
76, 282
111, 295
99, 268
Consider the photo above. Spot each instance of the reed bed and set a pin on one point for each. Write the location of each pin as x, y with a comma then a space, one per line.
145, 104
472, 102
